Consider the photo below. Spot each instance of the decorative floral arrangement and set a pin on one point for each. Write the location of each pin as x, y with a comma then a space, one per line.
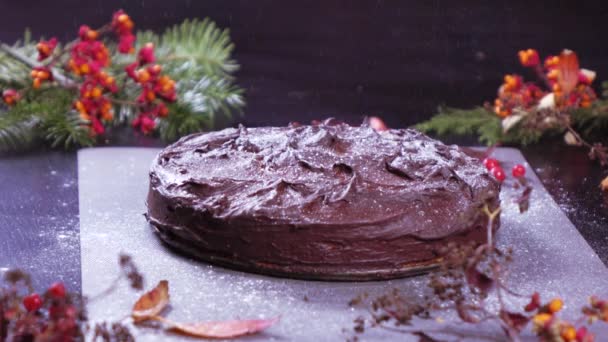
562, 101
69, 95
59, 315
467, 278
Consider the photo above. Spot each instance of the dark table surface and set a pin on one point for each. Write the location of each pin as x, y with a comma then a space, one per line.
311, 59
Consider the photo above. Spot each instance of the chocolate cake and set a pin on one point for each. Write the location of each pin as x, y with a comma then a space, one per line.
327, 201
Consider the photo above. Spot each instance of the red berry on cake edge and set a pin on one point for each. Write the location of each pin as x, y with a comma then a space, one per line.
32, 302
57, 290
498, 173
491, 163
518, 171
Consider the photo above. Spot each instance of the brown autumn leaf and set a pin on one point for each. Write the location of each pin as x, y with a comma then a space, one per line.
514, 320
151, 303
222, 329
568, 68
604, 184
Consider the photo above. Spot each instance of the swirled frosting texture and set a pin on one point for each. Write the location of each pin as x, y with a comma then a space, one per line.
328, 201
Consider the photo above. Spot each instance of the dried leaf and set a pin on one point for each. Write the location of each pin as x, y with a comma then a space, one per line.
568, 68
534, 302
478, 280
604, 184
514, 320
222, 329
151, 303
424, 337
464, 312
510, 121
571, 139
523, 200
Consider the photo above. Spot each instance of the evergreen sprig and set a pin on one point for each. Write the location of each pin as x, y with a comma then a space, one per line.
14, 73
197, 54
476, 121
43, 115
534, 124
194, 49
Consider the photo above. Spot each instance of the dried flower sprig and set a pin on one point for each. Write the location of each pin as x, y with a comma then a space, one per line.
59, 315
467, 276
562, 101
71, 94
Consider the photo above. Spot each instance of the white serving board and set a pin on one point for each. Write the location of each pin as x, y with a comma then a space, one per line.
550, 257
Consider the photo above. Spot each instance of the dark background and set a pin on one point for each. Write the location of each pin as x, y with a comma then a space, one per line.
303, 60
397, 59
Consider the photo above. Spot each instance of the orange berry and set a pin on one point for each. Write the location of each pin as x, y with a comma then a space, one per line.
150, 95
163, 112
37, 83
555, 305
96, 93
122, 18
512, 82
84, 68
557, 88
92, 34
542, 318
568, 333
553, 74
107, 115
143, 76
80, 107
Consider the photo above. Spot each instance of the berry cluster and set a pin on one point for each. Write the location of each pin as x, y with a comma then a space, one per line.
494, 167
569, 85
45, 48
123, 27
87, 64
549, 327
41, 74
10, 96
53, 316
156, 89
515, 93
88, 58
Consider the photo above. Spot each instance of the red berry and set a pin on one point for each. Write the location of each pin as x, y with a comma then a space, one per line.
498, 173
57, 290
32, 302
491, 163
518, 171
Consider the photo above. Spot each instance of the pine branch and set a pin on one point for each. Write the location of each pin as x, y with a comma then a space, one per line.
13, 73
476, 121
44, 114
182, 121
66, 129
31, 63
17, 132
211, 97
198, 55
194, 49
593, 120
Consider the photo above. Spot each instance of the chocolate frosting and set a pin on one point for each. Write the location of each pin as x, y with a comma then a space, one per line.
327, 201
